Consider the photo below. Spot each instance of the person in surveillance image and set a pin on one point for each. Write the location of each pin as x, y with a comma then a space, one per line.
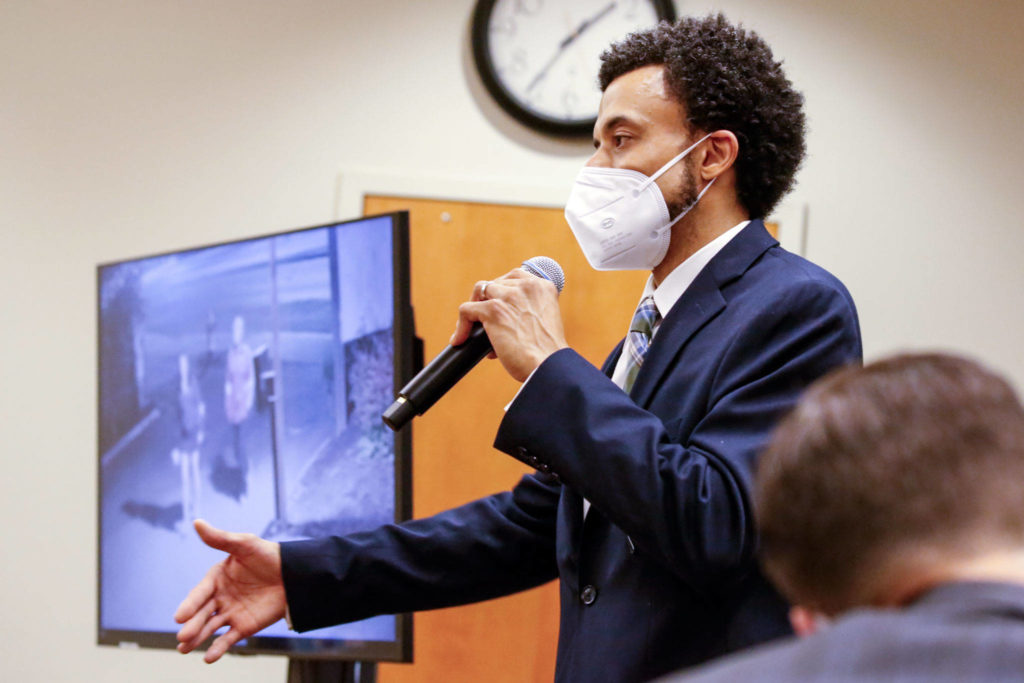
191, 416
640, 502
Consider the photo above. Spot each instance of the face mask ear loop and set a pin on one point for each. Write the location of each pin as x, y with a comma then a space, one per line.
692, 204
671, 162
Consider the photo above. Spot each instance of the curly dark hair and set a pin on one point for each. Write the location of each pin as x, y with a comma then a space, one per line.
726, 78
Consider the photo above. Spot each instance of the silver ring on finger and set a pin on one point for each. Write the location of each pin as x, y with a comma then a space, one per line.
483, 290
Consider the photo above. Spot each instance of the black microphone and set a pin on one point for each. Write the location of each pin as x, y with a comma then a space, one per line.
452, 364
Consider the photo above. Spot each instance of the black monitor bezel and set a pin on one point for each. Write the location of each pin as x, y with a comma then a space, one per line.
400, 650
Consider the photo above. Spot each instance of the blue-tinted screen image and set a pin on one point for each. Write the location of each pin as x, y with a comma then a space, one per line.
243, 384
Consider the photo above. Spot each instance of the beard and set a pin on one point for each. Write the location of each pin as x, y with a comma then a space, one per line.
687, 194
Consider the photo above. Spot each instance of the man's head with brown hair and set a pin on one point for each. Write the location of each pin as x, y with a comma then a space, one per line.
888, 479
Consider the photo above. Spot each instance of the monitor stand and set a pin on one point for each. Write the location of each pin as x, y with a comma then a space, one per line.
330, 671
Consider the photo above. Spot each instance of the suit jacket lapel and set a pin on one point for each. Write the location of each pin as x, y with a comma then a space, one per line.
701, 302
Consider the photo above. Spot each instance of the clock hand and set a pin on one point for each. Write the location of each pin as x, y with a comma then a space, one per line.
590, 22
569, 40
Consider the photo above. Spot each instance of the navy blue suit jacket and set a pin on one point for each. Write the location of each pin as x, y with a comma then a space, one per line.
662, 574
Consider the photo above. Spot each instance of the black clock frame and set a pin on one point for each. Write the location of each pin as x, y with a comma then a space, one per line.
481, 42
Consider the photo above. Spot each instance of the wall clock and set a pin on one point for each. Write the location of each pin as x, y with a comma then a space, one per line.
539, 58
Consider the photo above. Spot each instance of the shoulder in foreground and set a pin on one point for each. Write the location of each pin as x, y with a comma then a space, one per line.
965, 641
821, 658
760, 664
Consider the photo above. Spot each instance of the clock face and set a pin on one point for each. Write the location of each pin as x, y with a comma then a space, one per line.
540, 58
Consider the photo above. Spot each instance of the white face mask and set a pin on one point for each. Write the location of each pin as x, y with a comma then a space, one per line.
620, 218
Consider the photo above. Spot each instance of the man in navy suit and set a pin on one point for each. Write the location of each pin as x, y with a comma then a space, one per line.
890, 505
641, 500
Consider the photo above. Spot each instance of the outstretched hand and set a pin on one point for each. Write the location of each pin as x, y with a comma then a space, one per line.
244, 591
521, 315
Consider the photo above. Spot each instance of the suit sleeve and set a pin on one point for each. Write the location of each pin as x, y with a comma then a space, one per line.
685, 497
494, 546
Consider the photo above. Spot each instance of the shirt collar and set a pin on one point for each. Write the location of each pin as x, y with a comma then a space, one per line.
679, 280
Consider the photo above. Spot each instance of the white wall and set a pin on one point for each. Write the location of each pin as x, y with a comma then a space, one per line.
129, 128
914, 174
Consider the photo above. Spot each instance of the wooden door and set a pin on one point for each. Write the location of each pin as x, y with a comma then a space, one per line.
454, 244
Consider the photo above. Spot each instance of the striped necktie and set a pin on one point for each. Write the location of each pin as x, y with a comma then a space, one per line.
645, 320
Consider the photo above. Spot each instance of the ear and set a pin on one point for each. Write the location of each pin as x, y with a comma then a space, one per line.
719, 154
806, 622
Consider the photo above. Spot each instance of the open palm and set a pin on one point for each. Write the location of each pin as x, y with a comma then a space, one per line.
244, 592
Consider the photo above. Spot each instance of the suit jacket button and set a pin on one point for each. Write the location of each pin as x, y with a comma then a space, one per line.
588, 595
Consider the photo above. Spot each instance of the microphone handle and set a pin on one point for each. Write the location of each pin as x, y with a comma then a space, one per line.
440, 375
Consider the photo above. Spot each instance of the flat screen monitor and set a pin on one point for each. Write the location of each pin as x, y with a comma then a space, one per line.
243, 383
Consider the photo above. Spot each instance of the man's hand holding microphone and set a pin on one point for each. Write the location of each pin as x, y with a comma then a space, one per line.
520, 309
520, 314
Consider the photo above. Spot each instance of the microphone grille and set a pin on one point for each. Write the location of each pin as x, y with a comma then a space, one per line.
547, 268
